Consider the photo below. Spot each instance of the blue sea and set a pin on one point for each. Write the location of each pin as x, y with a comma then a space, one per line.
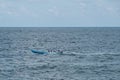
74, 53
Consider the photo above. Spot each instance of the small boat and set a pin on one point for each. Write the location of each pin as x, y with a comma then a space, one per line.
39, 51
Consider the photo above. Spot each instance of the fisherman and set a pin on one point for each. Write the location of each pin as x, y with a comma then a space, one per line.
60, 52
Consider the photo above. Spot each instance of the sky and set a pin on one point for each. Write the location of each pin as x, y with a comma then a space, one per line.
59, 13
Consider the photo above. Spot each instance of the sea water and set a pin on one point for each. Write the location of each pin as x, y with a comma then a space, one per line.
87, 54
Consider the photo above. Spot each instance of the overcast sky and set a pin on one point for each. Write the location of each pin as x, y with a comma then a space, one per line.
60, 13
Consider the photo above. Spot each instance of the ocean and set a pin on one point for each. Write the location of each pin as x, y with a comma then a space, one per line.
74, 53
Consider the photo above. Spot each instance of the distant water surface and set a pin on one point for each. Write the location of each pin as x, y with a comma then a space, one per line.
88, 53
